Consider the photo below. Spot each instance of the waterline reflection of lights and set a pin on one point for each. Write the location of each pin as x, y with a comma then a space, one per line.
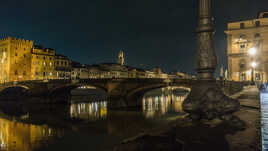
89, 111
17, 136
160, 105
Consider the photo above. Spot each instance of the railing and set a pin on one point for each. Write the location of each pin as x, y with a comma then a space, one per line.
231, 87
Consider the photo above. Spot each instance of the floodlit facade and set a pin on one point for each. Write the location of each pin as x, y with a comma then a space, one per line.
21, 60
43, 66
79, 71
63, 67
247, 49
15, 58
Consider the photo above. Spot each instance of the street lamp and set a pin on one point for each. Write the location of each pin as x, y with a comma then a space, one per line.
252, 51
254, 64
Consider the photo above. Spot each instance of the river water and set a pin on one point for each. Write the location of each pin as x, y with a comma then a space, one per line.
85, 124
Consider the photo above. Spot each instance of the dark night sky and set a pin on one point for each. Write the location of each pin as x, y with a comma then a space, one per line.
151, 32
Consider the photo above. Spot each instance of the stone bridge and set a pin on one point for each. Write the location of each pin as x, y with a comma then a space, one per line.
123, 91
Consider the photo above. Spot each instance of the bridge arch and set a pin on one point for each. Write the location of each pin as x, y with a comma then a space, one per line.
14, 92
134, 95
14, 86
62, 93
69, 87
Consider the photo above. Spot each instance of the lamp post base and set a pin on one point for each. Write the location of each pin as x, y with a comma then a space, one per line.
207, 101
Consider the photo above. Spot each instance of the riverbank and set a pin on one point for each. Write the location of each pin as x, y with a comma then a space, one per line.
206, 135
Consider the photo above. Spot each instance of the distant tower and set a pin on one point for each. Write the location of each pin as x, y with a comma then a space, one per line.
121, 59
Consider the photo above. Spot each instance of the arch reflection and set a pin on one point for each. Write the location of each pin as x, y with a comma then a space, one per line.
89, 111
154, 105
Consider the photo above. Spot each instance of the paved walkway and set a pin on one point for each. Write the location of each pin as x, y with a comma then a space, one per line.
264, 120
249, 139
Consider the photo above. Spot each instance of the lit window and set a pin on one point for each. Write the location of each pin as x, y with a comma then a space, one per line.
50, 63
257, 35
44, 63
258, 76
242, 25
258, 23
243, 48
243, 77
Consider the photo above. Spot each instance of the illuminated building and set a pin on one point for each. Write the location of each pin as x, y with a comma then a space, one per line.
15, 56
63, 67
158, 73
247, 43
43, 63
79, 71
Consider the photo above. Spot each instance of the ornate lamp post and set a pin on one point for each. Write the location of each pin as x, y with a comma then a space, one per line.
252, 52
206, 100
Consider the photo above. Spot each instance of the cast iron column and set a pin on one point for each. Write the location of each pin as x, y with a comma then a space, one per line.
206, 99
206, 56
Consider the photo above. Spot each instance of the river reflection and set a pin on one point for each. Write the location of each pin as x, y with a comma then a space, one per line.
16, 136
89, 111
153, 106
57, 125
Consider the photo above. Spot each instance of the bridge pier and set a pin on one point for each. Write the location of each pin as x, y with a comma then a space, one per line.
116, 102
119, 102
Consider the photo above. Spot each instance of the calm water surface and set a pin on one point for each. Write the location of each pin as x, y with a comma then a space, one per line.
85, 125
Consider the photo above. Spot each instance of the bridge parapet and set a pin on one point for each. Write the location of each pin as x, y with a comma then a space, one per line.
127, 89
231, 87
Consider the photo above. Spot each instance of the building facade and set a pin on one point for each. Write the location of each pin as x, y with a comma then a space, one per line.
15, 56
79, 71
247, 49
63, 67
43, 63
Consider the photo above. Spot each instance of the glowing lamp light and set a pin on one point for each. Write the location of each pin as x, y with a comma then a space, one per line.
252, 51
253, 64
